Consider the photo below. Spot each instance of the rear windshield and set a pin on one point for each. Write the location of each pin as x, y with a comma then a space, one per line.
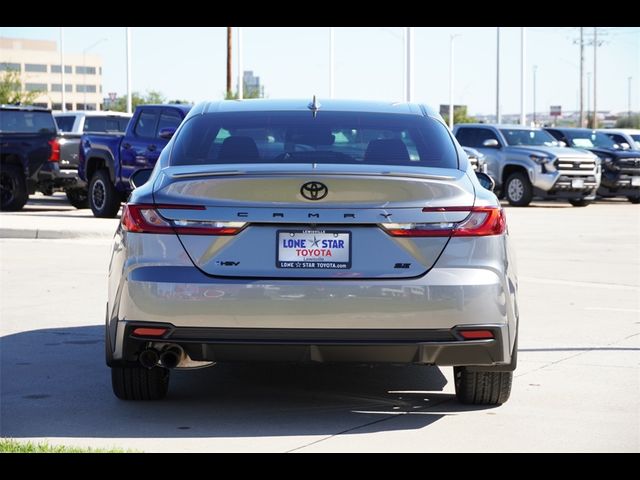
65, 124
298, 137
26, 122
105, 124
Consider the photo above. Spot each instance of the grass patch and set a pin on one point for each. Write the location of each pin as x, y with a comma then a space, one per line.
8, 445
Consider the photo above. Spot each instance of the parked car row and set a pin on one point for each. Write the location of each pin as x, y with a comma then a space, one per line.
92, 155
569, 163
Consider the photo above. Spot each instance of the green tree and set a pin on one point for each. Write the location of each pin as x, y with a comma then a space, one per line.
459, 116
152, 96
11, 89
632, 121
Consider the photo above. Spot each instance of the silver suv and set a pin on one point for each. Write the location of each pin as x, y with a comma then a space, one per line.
527, 162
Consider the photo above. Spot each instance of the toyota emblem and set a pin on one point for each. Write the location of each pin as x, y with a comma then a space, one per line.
314, 190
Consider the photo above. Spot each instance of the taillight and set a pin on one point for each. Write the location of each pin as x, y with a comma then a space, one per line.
146, 219
481, 221
476, 334
149, 332
55, 150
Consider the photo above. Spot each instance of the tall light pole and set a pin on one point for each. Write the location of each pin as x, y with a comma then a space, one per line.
129, 108
498, 116
240, 67
84, 66
229, 87
581, 78
535, 69
588, 93
409, 49
523, 113
595, 51
64, 105
451, 112
629, 100
331, 61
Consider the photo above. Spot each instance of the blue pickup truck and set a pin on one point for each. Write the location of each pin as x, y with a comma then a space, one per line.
107, 161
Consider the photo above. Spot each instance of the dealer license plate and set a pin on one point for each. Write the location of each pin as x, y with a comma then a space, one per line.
314, 249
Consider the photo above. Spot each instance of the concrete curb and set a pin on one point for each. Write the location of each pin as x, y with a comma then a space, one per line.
37, 233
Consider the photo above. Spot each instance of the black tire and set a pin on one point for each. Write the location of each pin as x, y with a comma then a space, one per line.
78, 197
104, 199
482, 388
579, 202
634, 199
518, 190
13, 188
138, 383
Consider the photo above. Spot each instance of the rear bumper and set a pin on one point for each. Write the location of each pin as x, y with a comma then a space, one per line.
58, 177
422, 346
399, 321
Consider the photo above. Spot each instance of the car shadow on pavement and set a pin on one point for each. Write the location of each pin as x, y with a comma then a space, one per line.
54, 383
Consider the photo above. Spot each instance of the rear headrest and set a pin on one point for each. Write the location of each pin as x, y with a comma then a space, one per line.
239, 148
392, 150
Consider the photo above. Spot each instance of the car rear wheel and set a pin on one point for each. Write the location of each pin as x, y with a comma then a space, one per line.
579, 202
78, 197
518, 190
482, 387
634, 199
138, 383
13, 188
104, 199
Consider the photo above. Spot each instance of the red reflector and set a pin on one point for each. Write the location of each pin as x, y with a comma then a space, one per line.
150, 332
55, 150
476, 334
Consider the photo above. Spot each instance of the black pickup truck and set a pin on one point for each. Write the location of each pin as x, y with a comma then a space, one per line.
29, 153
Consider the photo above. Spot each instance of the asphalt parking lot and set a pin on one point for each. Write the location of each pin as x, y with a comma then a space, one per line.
576, 389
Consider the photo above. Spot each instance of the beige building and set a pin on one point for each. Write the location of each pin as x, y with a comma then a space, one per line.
38, 62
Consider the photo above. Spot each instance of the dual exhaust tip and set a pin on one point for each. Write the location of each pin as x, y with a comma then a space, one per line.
170, 357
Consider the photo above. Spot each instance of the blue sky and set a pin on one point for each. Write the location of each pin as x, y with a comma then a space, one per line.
190, 63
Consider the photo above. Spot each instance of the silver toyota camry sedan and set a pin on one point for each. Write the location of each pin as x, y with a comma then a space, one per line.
307, 231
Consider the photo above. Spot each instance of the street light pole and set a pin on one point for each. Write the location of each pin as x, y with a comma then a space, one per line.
240, 79
498, 116
588, 93
581, 125
409, 55
129, 106
229, 87
64, 105
331, 61
595, 50
523, 113
535, 69
451, 109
